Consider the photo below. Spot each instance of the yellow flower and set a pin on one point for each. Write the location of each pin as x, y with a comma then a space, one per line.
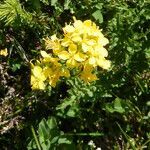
53, 79
65, 42
52, 43
72, 56
81, 50
37, 83
47, 71
4, 52
65, 72
86, 75
37, 78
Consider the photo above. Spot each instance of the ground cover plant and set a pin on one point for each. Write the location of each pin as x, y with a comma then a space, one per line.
74, 74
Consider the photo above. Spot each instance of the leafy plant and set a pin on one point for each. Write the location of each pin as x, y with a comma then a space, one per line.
48, 136
112, 112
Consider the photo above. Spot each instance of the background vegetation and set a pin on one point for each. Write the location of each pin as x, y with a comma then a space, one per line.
111, 113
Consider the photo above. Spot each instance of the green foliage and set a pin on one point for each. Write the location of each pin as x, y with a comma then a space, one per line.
116, 106
113, 112
49, 137
12, 12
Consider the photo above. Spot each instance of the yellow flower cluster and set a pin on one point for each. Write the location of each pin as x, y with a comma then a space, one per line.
47, 69
81, 49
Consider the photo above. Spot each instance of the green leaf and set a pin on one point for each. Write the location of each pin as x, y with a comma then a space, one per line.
54, 140
66, 4
99, 5
52, 123
117, 106
64, 141
54, 2
46, 145
71, 113
31, 145
98, 16
67, 102
43, 130
15, 67
36, 4
109, 108
46, 2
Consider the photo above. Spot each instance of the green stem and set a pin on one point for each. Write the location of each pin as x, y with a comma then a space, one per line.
36, 139
127, 137
84, 134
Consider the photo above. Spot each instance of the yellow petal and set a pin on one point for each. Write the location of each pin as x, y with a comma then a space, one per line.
68, 29
76, 38
88, 77
53, 82
102, 62
4, 52
54, 78
53, 37
88, 68
65, 72
80, 57
71, 63
37, 84
41, 85
91, 42
72, 48
78, 24
66, 42
64, 55
47, 71
33, 79
101, 51
85, 47
103, 41
44, 54
56, 51
87, 23
106, 64
37, 70
92, 61
104, 52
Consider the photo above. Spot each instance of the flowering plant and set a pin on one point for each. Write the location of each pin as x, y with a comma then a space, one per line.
81, 50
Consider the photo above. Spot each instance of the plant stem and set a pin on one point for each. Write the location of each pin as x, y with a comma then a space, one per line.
85, 134
35, 138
